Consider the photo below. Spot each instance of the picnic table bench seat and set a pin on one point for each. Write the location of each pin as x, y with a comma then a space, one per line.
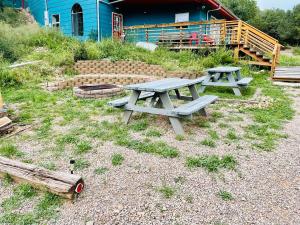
195, 106
245, 81
118, 103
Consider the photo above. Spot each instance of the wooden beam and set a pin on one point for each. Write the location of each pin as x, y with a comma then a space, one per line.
62, 184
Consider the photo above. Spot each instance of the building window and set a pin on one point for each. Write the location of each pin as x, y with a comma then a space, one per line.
55, 21
77, 20
182, 17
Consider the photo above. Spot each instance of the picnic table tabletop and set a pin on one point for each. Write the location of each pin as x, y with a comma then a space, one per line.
164, 85
224, 69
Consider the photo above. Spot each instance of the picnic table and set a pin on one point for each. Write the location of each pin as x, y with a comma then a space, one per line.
226, 77
157, 95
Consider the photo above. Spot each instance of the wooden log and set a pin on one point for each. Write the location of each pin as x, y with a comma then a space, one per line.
62, 184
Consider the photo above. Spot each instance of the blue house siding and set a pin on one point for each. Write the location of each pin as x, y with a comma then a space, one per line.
105, 18
161, 14
63, 8
37, 9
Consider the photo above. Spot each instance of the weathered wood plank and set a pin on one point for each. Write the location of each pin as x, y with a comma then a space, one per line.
62, 184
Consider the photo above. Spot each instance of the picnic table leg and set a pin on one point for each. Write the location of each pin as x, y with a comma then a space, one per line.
194, 92
177, 94
167, 104
231, 79
239, 76
132, 101
207, 79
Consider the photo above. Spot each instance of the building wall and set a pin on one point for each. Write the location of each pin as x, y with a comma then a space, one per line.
161, 14
63, 8
105, 17
37, 8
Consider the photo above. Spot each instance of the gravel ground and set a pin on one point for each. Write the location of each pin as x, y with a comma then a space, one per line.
265, 186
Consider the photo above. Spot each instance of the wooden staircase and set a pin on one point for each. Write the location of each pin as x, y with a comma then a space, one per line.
263, 49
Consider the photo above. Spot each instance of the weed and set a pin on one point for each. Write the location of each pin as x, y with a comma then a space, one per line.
231, 135
49, 165
139, 125
179, 137
189, 199
223, 125
209, 143
83, 147
153, 133
81, 164
179, 180
213, 134
212, 163
226, 196
7, 179
202, 122
22, 192
101, 170
117, 159
167, 191
10, 151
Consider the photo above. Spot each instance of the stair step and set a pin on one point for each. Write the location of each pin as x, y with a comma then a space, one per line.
246, 47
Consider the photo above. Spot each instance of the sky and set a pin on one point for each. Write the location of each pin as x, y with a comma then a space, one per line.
282, 4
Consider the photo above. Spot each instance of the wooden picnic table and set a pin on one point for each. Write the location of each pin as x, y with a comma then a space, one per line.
158, 94
225, 77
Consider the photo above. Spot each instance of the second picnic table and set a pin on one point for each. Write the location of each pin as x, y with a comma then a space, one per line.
158, 94
226, 77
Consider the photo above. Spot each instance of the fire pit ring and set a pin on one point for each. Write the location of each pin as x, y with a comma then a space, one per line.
95, 91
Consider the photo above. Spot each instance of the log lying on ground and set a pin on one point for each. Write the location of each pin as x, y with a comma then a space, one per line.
62, 184
6, 125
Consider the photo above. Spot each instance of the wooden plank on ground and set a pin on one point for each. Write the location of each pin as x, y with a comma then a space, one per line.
62, 184
5, 121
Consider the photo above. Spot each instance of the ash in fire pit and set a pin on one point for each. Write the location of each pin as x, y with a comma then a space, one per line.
97, 90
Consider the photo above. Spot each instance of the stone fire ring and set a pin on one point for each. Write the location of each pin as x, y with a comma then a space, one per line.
96, 91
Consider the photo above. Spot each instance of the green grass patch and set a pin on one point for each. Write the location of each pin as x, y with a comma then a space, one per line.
213, 135
10, 151
208, 142
231, 135
180, 137
81, 164
101, 170
153, 133
226, 196
117, 159
139, 125
167, 191
20, 194
83, 147
212, 163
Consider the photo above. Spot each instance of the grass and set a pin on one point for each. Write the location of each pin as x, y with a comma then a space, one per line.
49, 165
101, 170
180, 137
117, 159
231, 135
83, 147
81, 164
290, 60
208, 142
153, 133
226, 196
167, 191
139, 125
214, 135
212, 163
20, 194
10, 151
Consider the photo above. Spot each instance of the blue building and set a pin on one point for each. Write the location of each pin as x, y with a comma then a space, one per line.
98, 19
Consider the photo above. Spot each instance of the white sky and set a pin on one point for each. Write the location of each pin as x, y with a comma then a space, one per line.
282, 4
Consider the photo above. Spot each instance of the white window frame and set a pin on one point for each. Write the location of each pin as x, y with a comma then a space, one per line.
55, 24
182, 17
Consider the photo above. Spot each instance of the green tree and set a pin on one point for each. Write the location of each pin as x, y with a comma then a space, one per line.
245, 9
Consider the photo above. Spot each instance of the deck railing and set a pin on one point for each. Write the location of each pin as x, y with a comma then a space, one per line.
206, 34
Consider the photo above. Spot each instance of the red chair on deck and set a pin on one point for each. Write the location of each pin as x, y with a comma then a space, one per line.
194, 38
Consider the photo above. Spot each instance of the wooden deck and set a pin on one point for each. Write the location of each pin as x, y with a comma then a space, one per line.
291, 74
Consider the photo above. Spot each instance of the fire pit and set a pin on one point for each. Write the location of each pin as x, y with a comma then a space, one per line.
97, 90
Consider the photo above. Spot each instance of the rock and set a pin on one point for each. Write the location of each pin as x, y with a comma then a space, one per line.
90, 223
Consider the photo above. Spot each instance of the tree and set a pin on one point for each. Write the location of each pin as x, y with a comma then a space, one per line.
244, 9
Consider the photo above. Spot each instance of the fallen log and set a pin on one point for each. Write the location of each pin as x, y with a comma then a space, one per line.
62, 184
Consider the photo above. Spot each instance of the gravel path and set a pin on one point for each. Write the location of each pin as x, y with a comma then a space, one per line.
266, 188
